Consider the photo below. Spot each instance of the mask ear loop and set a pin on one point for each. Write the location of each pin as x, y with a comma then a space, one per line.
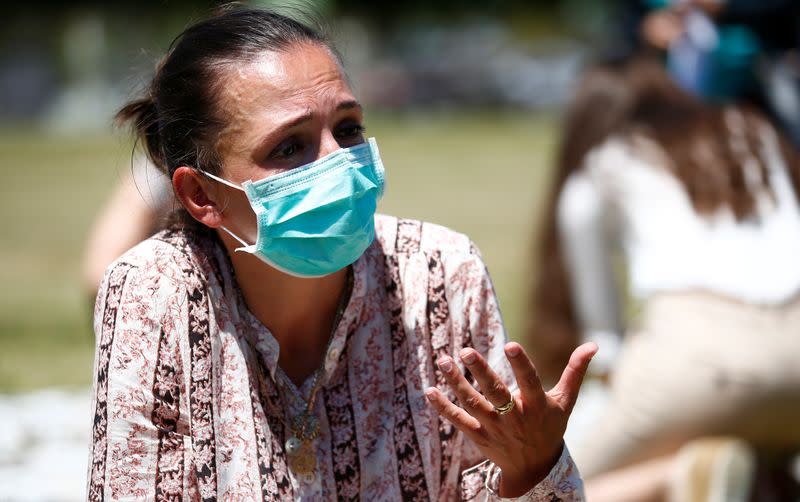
223, 227
241, 241
221, 180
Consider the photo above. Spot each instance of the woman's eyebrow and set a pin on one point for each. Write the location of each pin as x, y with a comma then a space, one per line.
349, 104
280, 129
308, 115
296, 121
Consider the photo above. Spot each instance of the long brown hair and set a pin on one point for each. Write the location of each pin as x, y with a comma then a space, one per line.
704, 146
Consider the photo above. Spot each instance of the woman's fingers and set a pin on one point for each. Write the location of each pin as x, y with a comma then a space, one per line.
462, 420
526, 442
472, 400
492, 387
524, 371
566, 390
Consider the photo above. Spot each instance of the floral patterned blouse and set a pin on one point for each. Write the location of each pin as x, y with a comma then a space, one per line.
188, 395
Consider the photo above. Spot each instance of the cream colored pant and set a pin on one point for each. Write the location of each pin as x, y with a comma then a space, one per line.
700, 365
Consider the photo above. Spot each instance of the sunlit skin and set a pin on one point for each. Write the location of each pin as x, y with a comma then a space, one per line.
283, 110
286, 109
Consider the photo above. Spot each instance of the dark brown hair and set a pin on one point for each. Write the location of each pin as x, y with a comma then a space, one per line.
704, 146
176, 119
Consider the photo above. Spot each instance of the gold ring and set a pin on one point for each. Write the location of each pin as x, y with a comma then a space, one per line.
502, 410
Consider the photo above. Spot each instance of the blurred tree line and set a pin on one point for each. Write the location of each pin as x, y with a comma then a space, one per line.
59, 59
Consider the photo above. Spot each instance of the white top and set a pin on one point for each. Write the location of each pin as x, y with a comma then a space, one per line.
622, 195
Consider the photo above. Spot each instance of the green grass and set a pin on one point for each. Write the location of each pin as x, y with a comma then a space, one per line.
480, 173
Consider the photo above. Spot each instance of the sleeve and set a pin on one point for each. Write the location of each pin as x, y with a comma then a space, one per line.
583, 222
140, 446
562, 484
473, 294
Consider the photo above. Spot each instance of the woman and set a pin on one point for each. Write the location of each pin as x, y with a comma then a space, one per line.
282, 340
702, 201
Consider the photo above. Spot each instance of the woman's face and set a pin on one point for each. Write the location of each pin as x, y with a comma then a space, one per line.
283, 110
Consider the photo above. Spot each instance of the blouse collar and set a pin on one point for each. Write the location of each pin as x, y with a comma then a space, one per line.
268, 348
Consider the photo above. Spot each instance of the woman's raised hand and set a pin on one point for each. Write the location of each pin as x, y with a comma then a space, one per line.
521, 432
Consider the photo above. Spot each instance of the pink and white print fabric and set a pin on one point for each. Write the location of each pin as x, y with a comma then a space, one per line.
190, 404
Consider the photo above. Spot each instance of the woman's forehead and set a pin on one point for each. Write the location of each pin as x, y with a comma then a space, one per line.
268, 91
275, 79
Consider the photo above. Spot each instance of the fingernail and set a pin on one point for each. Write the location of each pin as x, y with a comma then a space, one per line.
430, 394
468, 357
445, 364
513, 350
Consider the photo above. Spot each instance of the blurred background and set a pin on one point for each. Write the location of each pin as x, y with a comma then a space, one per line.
465, 95
461, 94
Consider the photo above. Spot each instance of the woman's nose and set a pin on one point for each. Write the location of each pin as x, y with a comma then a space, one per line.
327, 144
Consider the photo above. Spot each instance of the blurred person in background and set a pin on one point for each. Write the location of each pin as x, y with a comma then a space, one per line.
280, 341
702, 201
133, 212
722, 50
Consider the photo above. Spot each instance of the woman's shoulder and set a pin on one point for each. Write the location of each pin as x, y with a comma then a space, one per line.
626, 165
619, 151
405, 235
175, 253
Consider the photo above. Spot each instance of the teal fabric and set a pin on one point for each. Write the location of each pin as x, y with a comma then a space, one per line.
657, 4
717, 73
318, 218
732, 63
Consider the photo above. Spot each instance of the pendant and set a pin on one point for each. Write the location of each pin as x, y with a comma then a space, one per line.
293, 445
299, 447
305, 426
301, 455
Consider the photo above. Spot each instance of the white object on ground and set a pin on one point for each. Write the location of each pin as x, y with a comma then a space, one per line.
44, 445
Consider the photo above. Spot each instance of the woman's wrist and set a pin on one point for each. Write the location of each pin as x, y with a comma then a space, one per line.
515, 485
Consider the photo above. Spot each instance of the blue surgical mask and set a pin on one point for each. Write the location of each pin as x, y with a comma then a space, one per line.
318, 218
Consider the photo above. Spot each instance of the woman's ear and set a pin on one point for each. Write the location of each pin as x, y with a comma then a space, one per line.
198, 196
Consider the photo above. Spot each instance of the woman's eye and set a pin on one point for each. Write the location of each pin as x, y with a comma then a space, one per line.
286, 150
350, 131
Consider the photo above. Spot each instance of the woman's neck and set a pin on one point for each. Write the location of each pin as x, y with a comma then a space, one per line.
299, 312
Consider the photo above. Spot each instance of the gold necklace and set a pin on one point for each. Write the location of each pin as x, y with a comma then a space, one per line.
299, 447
